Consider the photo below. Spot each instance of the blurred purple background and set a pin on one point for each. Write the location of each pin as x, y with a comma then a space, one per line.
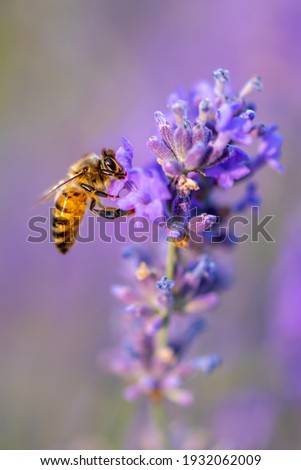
75, 76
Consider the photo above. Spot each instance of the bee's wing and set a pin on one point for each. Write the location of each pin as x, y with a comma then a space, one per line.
50, 195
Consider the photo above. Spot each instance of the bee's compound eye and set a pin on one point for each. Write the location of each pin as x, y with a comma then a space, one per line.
110, 164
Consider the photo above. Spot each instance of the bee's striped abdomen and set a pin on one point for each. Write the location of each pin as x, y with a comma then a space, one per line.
69, 209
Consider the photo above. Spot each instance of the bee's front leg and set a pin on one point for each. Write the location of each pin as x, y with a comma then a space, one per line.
93, 191
110, 213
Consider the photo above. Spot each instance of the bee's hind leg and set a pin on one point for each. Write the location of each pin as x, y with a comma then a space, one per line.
110, 213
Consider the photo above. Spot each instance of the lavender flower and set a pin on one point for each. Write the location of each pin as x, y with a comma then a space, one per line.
158, 371
148, 195
202, 145
211, 140
124, 156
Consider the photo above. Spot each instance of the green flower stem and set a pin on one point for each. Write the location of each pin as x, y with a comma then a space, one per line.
158, 407
159, 416
170, 266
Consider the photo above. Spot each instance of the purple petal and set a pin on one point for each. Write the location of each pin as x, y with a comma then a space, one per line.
234, 168
276, 165
270, 147
160, 149
251, 198
172, 167
183, 139
180, 396
166, 131
202, 303
139, 310
152, 211
201, 133
194, 156
151, 191
224, 115
179, 108
132, 392
124, 156
153, 326
124, 293
202, 222
206, 364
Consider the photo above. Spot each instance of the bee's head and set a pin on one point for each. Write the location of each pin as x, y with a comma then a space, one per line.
109, 165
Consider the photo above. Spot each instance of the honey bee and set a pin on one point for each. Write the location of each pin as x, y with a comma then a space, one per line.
88, 180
